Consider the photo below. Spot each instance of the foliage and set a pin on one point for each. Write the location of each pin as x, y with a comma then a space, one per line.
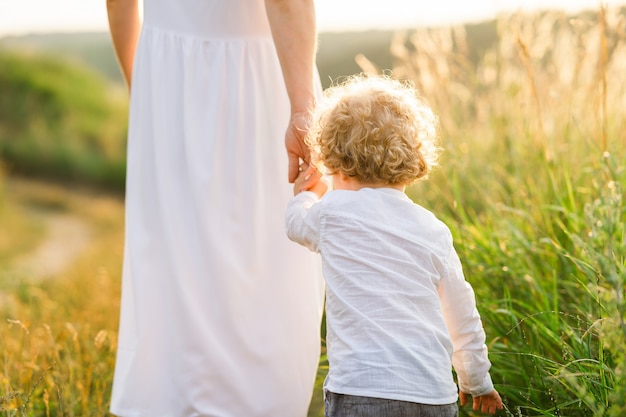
531, 185
60, 120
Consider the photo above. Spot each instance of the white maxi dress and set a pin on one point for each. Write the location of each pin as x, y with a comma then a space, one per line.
220, 311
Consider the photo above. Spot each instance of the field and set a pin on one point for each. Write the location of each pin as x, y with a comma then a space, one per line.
531, 184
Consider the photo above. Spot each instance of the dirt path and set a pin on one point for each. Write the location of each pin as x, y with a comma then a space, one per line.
65, 237
66, 231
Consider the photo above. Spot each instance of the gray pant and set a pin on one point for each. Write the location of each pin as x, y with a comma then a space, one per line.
340, 405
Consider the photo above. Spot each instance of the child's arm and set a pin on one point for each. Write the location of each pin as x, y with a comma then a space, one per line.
487, 403
469, 358
302, 220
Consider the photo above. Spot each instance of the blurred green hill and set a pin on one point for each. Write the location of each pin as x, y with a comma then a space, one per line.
93, 49
335, 59
61, 120
336, 51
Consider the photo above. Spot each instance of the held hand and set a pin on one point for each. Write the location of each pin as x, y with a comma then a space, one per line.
294, 143
487, 403
310, 179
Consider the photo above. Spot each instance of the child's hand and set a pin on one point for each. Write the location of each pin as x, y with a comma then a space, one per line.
487, 403
310, 179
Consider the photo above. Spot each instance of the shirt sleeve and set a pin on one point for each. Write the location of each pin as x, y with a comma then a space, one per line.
469, 357
302, 220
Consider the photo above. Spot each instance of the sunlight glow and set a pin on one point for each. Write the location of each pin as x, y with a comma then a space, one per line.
26, 16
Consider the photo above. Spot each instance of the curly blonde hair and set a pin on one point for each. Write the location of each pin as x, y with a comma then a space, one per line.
376, 130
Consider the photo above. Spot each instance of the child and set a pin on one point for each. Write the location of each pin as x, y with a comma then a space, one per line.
399, 311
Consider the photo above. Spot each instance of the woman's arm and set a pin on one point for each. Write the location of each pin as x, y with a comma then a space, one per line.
124, 26
294, 32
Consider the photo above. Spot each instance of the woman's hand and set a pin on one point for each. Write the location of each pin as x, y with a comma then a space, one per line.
294, 32
294, 143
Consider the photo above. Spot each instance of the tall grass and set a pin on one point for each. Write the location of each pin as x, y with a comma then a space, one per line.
531, 184
58, 336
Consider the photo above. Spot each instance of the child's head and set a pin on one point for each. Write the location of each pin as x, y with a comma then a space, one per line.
376, 130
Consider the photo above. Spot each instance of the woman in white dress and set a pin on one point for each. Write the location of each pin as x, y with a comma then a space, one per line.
220, 311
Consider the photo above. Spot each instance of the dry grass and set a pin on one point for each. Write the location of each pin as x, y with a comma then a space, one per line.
531, 184
59, 335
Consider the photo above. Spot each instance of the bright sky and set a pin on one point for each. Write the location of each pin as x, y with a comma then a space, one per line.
24, 16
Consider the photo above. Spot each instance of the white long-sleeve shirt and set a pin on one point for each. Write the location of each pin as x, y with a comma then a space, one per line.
399, 311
